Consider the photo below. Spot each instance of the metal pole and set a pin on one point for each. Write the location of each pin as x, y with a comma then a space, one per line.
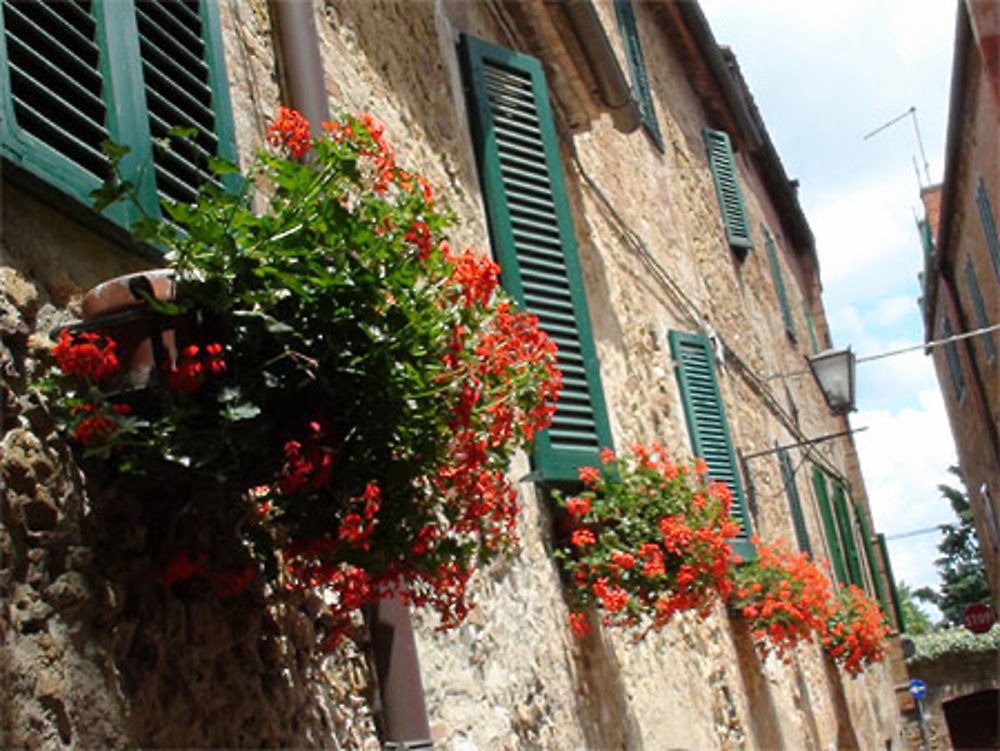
402, 692
925, 740
809, 442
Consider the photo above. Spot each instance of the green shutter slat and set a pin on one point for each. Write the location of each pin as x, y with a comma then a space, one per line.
893, 590
794, 502
846, 535
637, 69
988, 222
531, 234
872, 565
706, 422
779, 283
829, 525
982, 321
723, 167
954, 365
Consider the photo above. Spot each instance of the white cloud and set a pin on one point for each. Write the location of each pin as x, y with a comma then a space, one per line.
905, 455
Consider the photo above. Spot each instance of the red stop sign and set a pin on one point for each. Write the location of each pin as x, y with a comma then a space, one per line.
979, 618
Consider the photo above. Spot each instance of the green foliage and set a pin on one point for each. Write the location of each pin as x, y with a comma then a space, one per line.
952, 641
960, 564
917, 621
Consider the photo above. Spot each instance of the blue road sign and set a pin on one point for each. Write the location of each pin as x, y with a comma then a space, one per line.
918, 689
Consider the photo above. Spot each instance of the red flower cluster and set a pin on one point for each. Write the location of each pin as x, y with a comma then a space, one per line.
308, 462
192, 365
86, 355
785, 595
289, 130
855, 632
671, 555
95, 428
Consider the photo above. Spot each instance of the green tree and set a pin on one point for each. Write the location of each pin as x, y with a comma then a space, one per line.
960, 564
917, 621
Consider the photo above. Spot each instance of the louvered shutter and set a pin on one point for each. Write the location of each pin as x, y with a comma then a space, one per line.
707, 426
727, 188
847, 535
829, 525
75, 74
988, 223
183, 88
532, 238
779, 283
866, 541
813, 341
980, 308
954, 365
637, 69
794, 502
897, 608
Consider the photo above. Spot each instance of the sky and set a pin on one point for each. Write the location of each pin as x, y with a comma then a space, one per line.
824, 75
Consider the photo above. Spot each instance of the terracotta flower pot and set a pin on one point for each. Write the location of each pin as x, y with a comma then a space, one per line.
146, 338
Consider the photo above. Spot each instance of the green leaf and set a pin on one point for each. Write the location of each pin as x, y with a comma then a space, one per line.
183, 131
114, 151
244, 411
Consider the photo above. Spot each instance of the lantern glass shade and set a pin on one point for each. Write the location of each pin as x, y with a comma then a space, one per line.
834, 372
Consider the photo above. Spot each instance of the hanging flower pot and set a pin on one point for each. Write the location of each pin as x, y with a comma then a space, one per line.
145, 337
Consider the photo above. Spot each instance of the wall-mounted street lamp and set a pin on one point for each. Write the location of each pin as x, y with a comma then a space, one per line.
833, 370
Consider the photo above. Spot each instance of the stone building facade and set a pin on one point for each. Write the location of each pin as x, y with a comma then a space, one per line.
962, 276
687, 232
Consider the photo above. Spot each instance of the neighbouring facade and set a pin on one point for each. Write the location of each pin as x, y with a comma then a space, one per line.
962, 274
610, 156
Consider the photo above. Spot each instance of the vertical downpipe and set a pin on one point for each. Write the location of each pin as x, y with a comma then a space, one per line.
300, 67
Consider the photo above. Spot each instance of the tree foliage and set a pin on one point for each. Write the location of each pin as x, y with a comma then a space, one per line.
960, 564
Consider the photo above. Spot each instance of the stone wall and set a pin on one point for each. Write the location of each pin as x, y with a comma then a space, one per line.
95, 652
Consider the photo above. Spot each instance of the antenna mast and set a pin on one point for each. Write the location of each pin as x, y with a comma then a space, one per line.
912, 112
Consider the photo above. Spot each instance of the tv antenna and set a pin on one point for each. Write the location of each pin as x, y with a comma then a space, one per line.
912, 112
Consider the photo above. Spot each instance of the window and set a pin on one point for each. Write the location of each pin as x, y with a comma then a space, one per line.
893, 590
727, 188
843, 512
829, 525
794, 501
779, 283
76, 74
532, 237
707, 426
980, 309
989, 225
957, 379
866, 541
637, 69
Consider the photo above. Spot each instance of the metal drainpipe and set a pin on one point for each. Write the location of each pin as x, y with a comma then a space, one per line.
613, 87
396, 664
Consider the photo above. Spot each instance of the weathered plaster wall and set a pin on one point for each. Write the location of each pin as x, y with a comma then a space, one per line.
99, 655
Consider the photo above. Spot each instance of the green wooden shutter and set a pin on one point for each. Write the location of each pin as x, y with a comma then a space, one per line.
794, 502
185, 86
866, 540
706, 421
73, 76
727, 188
532, 236
637, 69
779, 283
977, 303
897, 607
847, 535
989, 225
954, 365
829, 525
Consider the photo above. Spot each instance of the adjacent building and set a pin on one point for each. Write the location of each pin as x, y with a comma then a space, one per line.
610, 156
962, 272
